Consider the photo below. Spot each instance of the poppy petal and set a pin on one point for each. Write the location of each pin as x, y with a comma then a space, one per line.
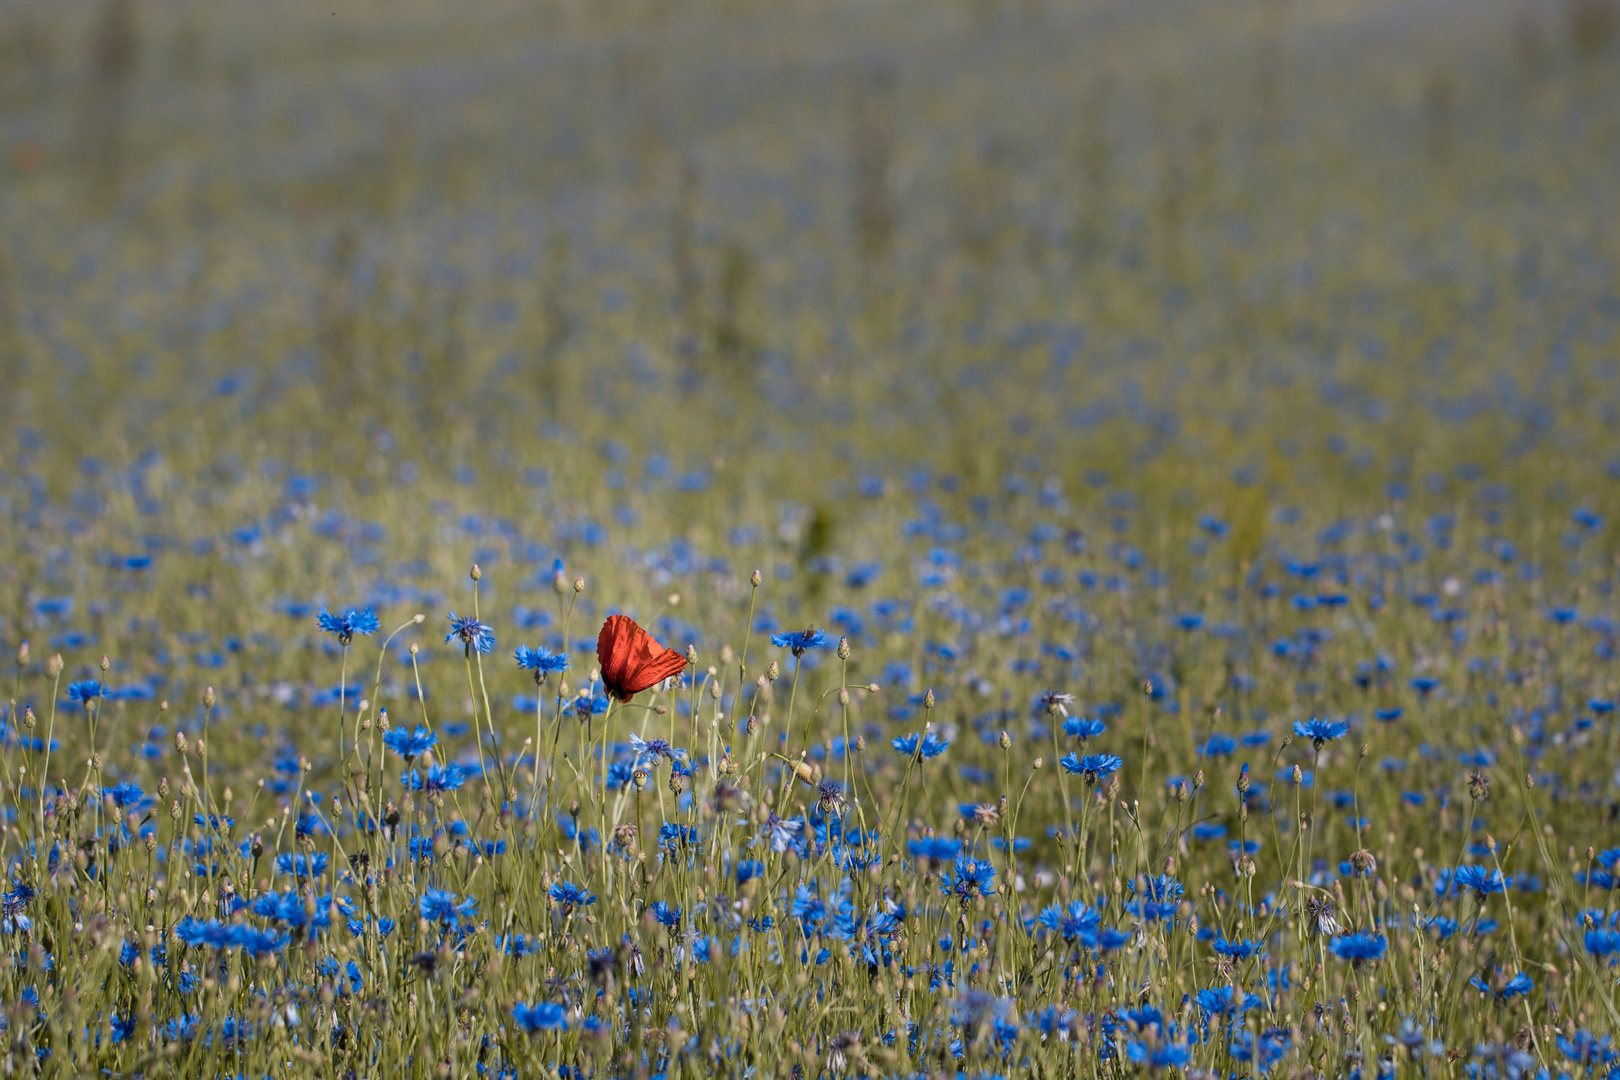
631, 660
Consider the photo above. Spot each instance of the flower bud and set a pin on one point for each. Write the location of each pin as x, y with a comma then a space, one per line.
208, 697
928, 699
475, 573
29, 719
752, 725
1005, 742
843, 648
843, 695
180, 741
579, 585
105, 663
691, 654
773, 672
872, 688
53, 666
755, 578
22, 654
419, 618
1298, 776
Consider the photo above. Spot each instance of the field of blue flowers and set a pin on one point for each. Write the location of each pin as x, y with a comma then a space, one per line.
1130, 489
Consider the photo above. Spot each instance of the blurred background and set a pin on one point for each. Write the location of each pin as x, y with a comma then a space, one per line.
592, 261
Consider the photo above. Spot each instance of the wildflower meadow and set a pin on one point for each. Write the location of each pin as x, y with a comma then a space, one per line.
984, 538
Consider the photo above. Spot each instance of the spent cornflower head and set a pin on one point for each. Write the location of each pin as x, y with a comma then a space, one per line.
470, 632
1321, 732
345, 625
799, 642
830, 797
654, 749
1056, 704
541, 661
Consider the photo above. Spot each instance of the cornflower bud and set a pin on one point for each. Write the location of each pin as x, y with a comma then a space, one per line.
1005, 742
53, 666
773, 672
475, 573
843, 648
755, 578
22, 654
105, 663
208, 697
180, 741
928, 699
29, 719
579, 585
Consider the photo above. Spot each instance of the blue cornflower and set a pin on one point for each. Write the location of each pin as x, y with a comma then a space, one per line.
85, 691
1077, 920
971, 878
470, 632
256, 942
587, 705
1482, 880
570, 896
1601, 943
541, 661
922, 747
1519, 984
667, 914
1237, 950
1164, 1056
197, 932
1078, 727
543, 1016
126, 794
808, 907
353, 621
410, 744
1360, 948
800, 641
301, 865
935, 849
1321, 731
1092, 767
748, 869
439, 778
441, 906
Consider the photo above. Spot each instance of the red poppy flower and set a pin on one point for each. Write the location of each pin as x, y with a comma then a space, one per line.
631, 660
